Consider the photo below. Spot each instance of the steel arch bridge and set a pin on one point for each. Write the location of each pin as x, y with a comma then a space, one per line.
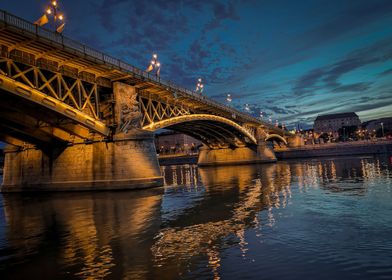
55, 91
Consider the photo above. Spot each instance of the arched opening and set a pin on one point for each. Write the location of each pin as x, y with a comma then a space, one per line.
277, 140
214, 131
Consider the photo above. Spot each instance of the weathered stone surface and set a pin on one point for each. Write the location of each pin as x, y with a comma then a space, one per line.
295, 141
128, 162
244, 155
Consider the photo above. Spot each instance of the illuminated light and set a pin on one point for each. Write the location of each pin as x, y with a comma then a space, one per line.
155, 56
152, 62
48, 11
158, 64
54, 3
61, 17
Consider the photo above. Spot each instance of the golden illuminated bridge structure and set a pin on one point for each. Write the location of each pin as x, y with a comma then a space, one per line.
78, 119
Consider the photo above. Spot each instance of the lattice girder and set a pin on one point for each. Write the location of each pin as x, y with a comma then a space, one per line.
154, 110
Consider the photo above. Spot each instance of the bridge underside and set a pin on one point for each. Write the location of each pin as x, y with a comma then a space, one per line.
23, 122
214, 133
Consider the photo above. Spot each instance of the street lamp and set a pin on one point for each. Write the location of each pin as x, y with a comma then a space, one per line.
58, 18
247, 109
382, 129
261, 115
229, 99
199, 86
53, 10
154, 65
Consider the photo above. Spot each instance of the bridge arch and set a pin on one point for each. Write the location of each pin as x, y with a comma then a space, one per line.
277, 137
210, 129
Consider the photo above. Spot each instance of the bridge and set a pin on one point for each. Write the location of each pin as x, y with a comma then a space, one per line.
79, 119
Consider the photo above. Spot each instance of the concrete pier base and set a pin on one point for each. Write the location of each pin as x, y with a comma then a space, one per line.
244, 155
129, 162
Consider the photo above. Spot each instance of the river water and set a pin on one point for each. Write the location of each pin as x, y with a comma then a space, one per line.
310, 219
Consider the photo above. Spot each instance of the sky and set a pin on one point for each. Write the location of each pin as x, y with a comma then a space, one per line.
291, 60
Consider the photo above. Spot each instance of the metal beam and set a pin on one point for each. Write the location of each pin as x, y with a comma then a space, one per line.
41, 99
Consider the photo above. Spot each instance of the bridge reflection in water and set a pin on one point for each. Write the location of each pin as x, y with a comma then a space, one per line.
179, 230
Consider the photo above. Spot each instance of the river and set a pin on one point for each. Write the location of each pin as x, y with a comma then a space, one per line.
310, 219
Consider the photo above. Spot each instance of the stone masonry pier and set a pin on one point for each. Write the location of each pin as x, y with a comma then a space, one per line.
128, 162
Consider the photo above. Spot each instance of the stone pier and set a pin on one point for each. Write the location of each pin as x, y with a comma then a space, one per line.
128, 162
260, 153
243, 155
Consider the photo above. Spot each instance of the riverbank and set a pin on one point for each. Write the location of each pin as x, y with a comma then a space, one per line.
336, 149
320, 150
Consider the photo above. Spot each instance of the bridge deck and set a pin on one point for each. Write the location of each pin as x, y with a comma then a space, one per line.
53, 50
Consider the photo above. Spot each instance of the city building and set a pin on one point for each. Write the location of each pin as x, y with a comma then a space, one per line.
334, 122
174, 142
381, 126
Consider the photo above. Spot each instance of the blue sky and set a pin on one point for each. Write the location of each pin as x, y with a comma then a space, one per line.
292, 60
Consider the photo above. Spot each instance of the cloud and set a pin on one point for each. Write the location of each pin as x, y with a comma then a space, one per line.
308, 82
221, 11
357, 87
355, 17
327, 77
386, 72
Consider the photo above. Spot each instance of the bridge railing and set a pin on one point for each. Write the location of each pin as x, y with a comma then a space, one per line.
65, 42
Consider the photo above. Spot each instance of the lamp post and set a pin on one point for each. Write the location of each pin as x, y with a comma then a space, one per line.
154, 65
247, 109
199, 86
261, 115
382, 129
57, 17
229, 99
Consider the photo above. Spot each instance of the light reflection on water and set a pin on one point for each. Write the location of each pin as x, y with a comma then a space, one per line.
329, 218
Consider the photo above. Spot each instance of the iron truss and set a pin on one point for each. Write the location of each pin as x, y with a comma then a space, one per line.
75, 92
67, 90
155, 110
69, 96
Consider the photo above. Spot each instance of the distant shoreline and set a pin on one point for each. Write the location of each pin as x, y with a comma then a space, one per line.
308, 151
336, 149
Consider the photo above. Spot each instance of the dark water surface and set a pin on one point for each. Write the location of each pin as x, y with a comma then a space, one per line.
313, 219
